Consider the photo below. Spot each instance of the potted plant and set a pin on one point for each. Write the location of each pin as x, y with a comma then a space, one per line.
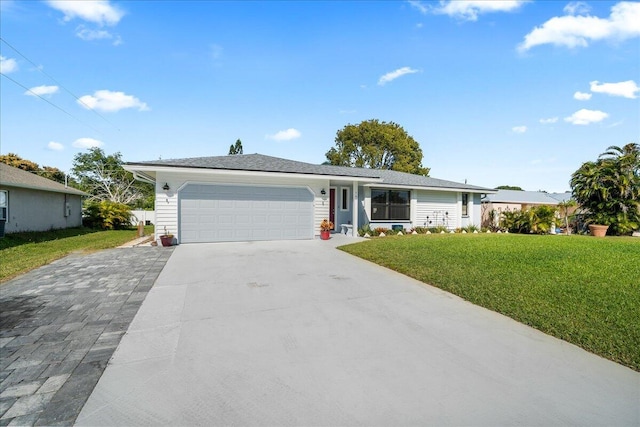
598, 224
608, 189
325, 229
166, 238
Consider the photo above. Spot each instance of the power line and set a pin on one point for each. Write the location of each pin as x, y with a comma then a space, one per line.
58, 83
49, 102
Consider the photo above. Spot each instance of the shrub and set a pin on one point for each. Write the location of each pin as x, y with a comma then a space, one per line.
538, 220
471, 228
107, 215
379, 230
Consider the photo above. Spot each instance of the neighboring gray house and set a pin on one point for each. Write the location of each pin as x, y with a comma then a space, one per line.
29, 202
510, 200
257, 197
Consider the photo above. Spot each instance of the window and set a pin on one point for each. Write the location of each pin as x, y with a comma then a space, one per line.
465, 204
390, 205
344, 202
4, 204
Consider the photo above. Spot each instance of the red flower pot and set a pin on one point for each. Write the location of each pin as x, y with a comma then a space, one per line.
166, 240
325, 234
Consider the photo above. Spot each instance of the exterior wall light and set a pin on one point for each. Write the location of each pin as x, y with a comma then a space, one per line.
166, 187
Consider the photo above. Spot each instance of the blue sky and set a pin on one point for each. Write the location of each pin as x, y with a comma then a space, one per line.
495, 92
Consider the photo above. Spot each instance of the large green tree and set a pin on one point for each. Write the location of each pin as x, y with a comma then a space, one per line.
377, 145
48, 172
103, 177
608, 190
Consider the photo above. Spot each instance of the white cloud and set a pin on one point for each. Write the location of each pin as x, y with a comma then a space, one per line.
577, 31
626, 89
577, 8
419, 6
585, 117
395, 74
549, 120
519, 129
100, 12
108, 101
8, 65
285, 135
42, 90
470, 9
581, 96
87, 143
55, 146
89, 34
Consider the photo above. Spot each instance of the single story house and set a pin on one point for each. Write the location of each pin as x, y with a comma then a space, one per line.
511, 200
29, 202
257, 197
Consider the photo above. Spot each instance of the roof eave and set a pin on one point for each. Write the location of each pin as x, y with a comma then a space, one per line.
140, 169
73, 191
427, 187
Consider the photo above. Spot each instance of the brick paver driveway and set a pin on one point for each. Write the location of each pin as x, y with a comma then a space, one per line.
59, 326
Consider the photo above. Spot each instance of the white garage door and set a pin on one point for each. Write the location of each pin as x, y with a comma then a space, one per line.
224, 213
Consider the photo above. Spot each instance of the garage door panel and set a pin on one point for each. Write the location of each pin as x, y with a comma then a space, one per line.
224, 212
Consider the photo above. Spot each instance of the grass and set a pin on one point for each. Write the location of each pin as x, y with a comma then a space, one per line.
581, 289
21, 252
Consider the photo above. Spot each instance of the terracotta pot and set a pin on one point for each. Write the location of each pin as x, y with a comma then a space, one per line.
598, 230
166, 240
325, 234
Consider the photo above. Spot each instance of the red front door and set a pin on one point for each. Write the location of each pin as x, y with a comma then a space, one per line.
332, 206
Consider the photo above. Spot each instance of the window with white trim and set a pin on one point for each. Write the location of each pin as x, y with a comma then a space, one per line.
344, 201
465, 204
390, 204
4, 205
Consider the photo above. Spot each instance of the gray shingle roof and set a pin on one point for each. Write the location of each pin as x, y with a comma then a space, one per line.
262, 163
14, 177
527, 197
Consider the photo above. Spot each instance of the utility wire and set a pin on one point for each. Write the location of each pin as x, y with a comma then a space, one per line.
58, 83
49, 102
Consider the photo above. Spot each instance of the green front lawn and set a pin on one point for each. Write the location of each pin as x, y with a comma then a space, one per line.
581, 289
21, 252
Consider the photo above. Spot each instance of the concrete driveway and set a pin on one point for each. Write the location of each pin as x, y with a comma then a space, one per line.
299, 333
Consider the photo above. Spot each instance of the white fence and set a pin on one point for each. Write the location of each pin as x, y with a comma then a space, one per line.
144, 216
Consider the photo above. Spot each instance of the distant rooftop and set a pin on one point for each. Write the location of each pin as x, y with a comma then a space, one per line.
262, 163
14, 177
527, 197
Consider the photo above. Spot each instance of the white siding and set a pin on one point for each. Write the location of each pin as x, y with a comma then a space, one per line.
436, 205
167, 201
321, 206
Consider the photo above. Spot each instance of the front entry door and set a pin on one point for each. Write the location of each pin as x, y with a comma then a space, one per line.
332, 206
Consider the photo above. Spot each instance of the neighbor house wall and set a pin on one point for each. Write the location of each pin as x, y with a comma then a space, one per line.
166, 206
37, 210
499, 208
